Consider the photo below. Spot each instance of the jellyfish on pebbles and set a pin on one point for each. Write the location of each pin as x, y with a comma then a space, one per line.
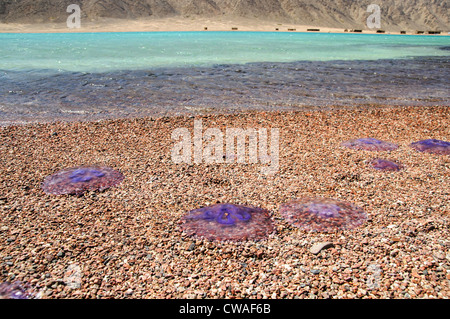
15, 290
369, 144
319, 214
225, 221
78, 180
385, 165
433, 146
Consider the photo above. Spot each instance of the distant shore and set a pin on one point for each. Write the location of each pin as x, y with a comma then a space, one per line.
185, 24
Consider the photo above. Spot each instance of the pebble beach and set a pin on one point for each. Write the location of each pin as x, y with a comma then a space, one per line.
126, 241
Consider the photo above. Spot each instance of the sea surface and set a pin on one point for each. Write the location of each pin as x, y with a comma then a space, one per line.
89, 76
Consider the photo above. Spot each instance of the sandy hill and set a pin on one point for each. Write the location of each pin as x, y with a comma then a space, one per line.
396, 14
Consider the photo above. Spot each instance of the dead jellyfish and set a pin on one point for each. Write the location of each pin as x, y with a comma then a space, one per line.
85, 174
369, 144
432, 146
385, 165
14, 290
322, 214
227, 222
78, 180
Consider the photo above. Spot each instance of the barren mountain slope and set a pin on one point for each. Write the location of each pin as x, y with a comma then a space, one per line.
395, 14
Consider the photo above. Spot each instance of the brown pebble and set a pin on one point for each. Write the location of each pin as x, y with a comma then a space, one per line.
316, 248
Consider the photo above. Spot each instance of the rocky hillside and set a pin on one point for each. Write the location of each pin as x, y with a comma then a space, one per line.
395, 14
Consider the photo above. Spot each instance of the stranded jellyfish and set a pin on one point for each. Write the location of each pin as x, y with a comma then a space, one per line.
432, 146
322, 214
385, 165
14, 290
369, 144
228, 222
78, 180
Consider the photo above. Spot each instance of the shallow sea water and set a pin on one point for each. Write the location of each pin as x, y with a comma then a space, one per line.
47, 77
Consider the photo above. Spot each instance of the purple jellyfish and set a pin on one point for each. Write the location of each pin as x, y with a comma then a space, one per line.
322, 214
228, 222
432, 146
369, 144
78, 180
385, 165
14, 290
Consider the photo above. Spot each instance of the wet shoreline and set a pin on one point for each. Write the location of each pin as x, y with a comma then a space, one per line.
46, 96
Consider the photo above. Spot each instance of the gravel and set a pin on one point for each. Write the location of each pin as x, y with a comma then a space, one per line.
125, 242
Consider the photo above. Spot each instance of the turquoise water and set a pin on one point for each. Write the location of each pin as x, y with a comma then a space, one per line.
89, 76
102, 52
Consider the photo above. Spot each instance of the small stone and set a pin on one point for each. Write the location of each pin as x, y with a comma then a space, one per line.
394, 252
129, 292
259, 254
315, 271
60, 254
316, 248
439, 255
